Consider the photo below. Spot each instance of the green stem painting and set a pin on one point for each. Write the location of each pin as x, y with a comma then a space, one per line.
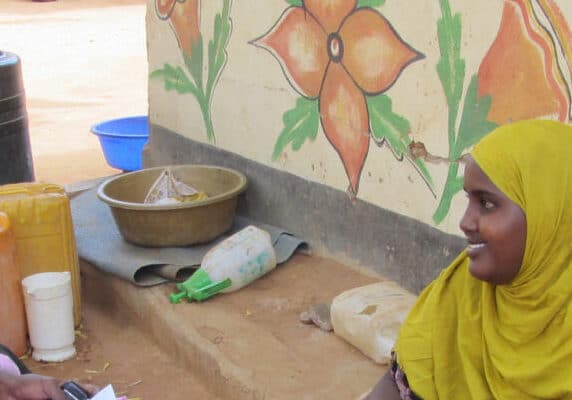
191, 80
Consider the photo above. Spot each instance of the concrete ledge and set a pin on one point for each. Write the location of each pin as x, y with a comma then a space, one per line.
249, 344
361, 234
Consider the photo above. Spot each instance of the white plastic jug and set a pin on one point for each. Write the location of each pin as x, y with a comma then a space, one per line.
243, 257
49, 311
369, 317
231, 265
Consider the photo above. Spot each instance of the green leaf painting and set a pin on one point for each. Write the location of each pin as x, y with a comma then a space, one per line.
194, 64
473, 124
174, 78
387, 126
450, 67
300, 123
191, 80
217, 56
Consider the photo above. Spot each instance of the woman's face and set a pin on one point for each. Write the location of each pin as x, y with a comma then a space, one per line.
495, 228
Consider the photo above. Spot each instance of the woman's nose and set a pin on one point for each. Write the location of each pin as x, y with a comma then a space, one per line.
468, 222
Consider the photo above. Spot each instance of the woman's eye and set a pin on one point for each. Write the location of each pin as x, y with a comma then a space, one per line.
486, 204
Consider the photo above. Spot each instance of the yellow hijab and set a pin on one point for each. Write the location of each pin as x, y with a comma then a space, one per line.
468, 339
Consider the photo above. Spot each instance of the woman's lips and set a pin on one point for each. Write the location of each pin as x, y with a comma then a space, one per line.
473, 249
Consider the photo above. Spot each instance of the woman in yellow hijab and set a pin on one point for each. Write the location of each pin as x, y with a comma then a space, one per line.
497, 323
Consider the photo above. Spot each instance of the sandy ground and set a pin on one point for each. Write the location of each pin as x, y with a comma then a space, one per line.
83, 62
111, 350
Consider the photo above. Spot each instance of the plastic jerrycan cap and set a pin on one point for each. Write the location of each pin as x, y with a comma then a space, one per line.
199, 287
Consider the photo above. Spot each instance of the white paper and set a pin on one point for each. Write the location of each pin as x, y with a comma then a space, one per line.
107, 393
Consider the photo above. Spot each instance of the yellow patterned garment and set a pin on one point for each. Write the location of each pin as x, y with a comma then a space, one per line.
468, 339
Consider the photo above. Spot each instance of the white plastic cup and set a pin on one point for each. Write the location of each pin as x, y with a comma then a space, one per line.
49, 311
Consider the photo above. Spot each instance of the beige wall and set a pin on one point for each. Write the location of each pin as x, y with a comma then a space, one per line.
253, 94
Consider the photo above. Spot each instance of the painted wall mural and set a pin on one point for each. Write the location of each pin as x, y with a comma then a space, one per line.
345, 66
341, 56
525, 74
183, 16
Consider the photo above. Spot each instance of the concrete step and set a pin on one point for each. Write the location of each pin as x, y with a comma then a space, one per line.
250, 344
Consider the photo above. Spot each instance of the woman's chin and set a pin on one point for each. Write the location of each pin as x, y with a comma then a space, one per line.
479, 272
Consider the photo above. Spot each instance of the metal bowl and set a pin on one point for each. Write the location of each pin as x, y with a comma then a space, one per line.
181, 224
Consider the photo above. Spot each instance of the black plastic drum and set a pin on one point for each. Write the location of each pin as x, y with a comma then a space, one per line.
15, 153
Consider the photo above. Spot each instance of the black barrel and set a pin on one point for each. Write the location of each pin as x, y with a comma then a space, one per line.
15, 152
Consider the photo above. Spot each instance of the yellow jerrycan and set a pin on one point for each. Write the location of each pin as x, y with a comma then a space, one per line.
41, 220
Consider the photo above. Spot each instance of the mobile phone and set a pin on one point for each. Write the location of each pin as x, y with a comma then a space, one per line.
73, 391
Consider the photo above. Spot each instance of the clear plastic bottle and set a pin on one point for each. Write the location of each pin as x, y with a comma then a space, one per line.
13, 328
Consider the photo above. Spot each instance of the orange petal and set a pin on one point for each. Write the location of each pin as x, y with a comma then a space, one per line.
521, 65
164, 8
185, 23
374, 54
344, 116
330, 13
299, 44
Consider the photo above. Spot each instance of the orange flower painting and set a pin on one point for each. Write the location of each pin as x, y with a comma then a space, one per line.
339, 54
184, 18
527, 70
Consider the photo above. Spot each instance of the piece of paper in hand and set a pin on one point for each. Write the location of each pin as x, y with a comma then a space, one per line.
107, 393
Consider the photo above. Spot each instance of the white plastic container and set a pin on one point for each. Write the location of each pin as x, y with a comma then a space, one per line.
49, 311
369, 317
229, 266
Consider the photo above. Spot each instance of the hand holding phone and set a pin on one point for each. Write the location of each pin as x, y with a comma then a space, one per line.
73, 391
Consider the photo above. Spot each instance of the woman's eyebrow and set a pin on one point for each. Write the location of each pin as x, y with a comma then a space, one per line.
480, 192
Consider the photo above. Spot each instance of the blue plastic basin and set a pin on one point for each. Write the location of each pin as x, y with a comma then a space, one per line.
122, 141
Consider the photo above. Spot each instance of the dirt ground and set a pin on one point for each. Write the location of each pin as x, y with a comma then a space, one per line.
111, 350
83, 62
